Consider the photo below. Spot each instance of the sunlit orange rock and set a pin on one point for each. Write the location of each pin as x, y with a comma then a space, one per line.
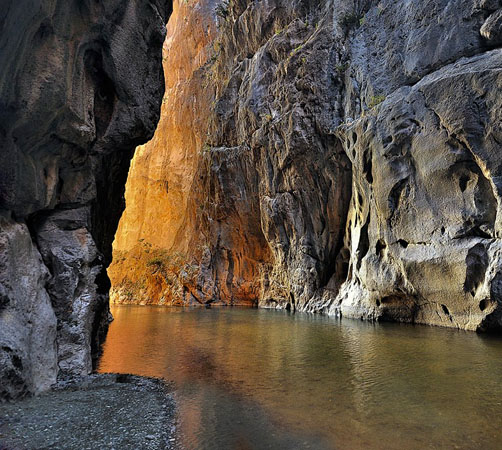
152, 231
161, 250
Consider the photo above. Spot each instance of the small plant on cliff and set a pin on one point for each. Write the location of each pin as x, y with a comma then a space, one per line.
375, 100
278, 31
296, 50
223, 10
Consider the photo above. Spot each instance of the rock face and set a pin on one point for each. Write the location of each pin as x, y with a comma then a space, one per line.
152, 245
81, 86
350, 164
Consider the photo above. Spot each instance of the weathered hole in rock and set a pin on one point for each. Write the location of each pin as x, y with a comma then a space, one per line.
44, 31
380, 247
368, 166
476, 265
364, 243
395, 195
388, 140
464, 179
104, 96
403, 243
4, 301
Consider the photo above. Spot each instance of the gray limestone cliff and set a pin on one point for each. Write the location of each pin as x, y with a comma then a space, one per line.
366, 136
81, 85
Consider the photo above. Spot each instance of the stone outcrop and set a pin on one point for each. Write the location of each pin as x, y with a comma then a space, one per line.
349, 164
81, 86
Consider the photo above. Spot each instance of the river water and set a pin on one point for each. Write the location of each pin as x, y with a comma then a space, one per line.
259, 379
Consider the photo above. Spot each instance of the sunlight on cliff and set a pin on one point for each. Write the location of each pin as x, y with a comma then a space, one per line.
152, 239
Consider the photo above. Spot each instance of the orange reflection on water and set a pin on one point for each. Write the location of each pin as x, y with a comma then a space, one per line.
264, 379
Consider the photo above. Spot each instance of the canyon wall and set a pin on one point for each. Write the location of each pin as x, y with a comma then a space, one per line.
81, 85
347, 164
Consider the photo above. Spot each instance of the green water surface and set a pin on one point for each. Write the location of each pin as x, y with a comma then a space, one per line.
258, 379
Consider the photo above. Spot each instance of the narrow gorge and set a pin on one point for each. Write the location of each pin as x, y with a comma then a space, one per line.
324, 156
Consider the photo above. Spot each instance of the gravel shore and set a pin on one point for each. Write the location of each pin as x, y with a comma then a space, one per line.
107, 411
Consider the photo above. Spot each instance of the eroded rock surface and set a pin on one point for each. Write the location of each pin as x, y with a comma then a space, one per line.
81, 86
351, 162
424, 227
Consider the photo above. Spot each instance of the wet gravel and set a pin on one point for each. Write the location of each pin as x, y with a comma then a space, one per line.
107, 411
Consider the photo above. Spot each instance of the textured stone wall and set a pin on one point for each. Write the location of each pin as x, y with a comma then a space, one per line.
421, 131
81, 86
350, 163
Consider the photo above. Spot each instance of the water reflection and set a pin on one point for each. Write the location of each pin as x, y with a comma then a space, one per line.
265, 379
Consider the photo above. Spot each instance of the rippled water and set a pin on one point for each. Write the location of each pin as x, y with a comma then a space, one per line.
256, 379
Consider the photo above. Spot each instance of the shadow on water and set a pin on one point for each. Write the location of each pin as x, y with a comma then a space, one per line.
258, 379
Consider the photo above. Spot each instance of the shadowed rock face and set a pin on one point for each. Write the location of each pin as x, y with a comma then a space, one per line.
351, 162
81, 85
272, 135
